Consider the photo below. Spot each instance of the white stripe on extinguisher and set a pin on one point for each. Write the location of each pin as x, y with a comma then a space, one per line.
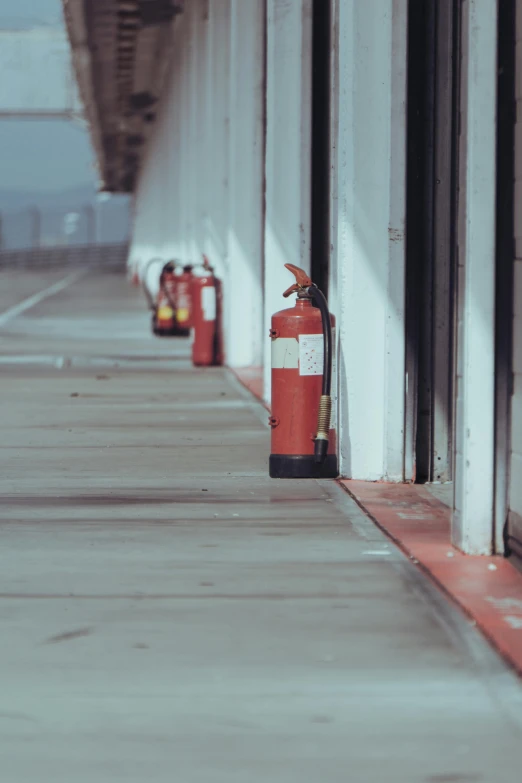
285, 353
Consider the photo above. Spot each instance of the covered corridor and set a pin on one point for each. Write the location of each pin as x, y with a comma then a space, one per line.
169, 613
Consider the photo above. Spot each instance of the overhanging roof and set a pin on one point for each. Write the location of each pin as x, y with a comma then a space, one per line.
119, 52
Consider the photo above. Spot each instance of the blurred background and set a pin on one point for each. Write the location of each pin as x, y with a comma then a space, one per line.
48, 179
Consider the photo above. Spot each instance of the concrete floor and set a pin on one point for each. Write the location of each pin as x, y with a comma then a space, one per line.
168, 613
443, 492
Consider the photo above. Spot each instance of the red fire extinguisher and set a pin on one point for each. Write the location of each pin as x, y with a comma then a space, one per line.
183, 296
303, 441
207, 343
165, 321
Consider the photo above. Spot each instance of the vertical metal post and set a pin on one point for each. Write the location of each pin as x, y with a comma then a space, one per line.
416, 64
432, 144
425, 259
321, 96
444, 218
505, 255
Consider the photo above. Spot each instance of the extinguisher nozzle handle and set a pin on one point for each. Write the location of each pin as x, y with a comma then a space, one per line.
320, 450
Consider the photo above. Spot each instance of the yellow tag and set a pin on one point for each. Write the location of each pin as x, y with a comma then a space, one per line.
183, 314
165, 313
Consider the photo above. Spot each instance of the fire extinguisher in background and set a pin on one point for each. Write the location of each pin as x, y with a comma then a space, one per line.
183, 296
303, 440
165, 308
207, 343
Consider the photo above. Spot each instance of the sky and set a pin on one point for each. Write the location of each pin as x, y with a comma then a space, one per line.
41, 156
15, 14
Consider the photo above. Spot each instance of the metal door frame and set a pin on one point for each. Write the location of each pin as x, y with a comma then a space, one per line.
433, 61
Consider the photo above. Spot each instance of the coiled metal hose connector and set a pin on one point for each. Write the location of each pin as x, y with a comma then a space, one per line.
323, 428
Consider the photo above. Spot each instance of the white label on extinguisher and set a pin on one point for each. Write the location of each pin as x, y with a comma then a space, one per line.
208, 303
311, 354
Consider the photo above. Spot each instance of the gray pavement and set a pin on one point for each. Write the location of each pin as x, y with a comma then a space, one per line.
169, 613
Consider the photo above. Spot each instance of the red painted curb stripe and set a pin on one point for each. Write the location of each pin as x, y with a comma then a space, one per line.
487, 589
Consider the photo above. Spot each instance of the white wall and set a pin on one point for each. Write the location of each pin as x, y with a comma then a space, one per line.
173, 160
214, 182
472, 528
193, 151
288, 151
370, 248
201, 184
245, 334
202, 189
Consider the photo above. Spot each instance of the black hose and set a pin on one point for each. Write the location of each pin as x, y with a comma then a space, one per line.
163, 288
322, 304
325, 405
148, 297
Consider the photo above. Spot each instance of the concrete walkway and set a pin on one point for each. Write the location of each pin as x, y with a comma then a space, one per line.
168, 613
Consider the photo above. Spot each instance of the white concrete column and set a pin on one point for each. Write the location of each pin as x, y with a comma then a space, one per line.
158, 214
185, 110
202, 32
244, 312
172, 248
370, 265
192, 129
163, 179
288, 151
216, 152
178, 109
472, 529
145, 228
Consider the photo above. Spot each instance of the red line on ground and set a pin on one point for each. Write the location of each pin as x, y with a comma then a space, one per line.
487, 589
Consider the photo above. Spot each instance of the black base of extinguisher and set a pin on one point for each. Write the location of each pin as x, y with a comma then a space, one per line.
172, 333
301, 467
175, 331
